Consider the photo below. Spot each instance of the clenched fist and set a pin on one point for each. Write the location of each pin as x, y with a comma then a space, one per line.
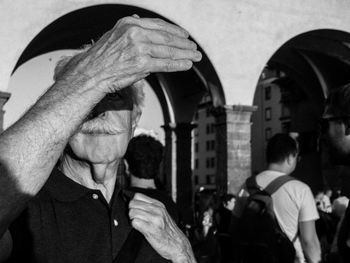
150, 217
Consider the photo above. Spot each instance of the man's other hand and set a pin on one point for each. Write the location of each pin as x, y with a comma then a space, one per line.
131, 50
150, 217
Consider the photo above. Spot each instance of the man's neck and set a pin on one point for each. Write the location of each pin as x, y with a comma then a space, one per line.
278, 167
94, 176
141, 182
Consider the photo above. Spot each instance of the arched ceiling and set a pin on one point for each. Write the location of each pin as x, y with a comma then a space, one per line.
314, 55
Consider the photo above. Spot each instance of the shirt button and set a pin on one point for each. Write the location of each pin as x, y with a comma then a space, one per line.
115, 222
95, 196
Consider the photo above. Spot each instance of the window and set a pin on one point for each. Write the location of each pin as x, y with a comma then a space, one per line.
268, 93
285, 127
268, 133
285, 111
268, 114
196, 179
208, 128
208, 163
196, 164
213, 145
207, 145
212, 162
208, 179
196, 147
207, 111
212, 127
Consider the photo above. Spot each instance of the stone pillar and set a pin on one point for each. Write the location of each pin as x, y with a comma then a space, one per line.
233, 151
4, 96
184, 194
169, 161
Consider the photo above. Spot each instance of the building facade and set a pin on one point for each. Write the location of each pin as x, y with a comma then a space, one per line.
204, 140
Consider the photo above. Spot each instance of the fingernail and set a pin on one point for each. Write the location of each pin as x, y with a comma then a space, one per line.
194, 45
135, 15
198, 56
186, 32
188, 64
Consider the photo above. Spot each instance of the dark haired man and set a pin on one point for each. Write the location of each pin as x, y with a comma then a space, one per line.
293, 202
144, 156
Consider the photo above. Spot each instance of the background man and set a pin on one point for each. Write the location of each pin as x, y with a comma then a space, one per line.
293, 202
77, 214
144, 156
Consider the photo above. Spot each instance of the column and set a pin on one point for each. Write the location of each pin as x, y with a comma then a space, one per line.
169, 161
184, 196
4, 96
233, 151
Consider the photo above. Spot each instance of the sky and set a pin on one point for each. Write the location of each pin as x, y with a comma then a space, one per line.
35, 76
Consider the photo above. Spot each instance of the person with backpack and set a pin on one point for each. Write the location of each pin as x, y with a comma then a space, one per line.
274, 218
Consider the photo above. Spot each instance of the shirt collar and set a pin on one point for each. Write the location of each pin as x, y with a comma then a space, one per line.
65, 189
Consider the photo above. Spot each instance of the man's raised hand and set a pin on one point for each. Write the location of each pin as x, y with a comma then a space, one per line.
131, 50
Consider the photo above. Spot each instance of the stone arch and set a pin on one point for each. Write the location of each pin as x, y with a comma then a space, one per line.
313, 63
178, 93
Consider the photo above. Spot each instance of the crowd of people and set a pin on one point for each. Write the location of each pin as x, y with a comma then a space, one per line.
58, 165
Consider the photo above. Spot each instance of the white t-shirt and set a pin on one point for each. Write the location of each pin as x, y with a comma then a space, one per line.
293, 202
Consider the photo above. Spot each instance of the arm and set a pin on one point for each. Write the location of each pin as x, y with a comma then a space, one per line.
29, 149
150, 217
309, 241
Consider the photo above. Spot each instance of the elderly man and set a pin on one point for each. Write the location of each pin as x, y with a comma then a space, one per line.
75, 212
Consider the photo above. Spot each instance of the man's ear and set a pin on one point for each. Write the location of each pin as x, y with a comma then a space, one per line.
290, 159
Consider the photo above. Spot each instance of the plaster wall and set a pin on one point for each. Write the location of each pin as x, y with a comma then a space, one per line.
238, 36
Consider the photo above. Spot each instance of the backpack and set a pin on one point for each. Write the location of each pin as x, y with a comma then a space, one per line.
259, 236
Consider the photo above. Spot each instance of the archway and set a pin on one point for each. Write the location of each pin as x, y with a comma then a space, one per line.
178, 93
290, 95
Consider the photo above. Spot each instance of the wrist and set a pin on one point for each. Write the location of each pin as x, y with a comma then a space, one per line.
186, 254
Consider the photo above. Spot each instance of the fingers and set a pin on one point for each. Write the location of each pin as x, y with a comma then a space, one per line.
169, 65
160, 51
147, 210
138, 197
159, 24
165, 38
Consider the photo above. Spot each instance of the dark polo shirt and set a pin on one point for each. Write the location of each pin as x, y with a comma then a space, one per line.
67, 222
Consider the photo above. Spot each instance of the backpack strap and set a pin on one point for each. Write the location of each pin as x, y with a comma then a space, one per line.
277, 183
251, 184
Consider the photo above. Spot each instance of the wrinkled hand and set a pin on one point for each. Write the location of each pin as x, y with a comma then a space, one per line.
150, 217
133, 49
